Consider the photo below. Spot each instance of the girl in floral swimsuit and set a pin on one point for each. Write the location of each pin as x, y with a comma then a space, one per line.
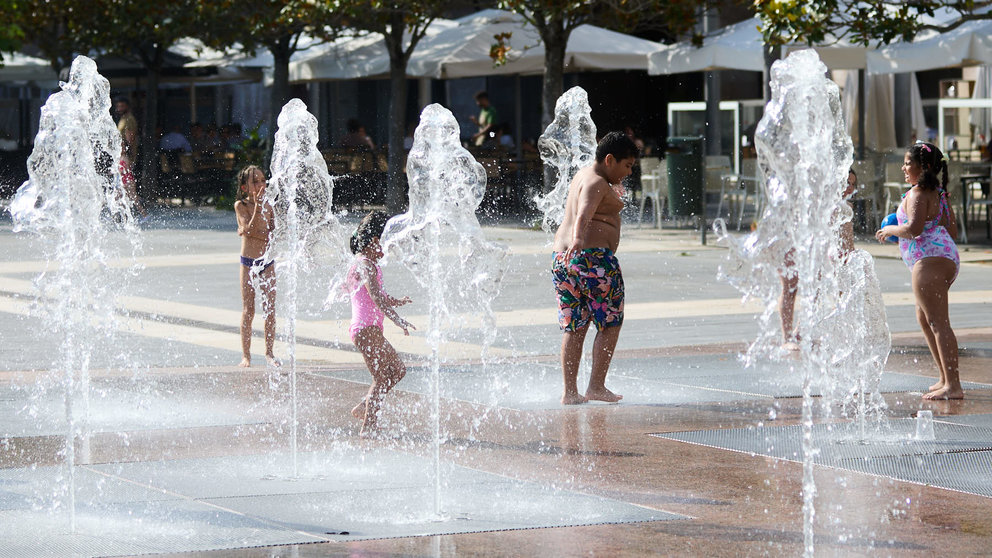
926, 229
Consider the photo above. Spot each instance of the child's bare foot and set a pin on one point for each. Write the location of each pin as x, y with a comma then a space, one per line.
358, 411
790, 346
245, 362
602, 394
936, 386
945, 393
573, 399
272, 361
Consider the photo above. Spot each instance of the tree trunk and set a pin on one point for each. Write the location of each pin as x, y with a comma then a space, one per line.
395, 194
149, 145
555, 39
281, 53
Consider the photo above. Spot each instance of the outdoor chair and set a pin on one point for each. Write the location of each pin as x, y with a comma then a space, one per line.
654, 185
170, 179
736, 188
716, 167
893, 187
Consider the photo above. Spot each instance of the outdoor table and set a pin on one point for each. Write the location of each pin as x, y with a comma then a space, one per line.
974, 172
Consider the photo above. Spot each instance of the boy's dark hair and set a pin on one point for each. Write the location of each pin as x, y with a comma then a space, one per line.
352, 125
931, 160
618, 145
481, 95
371, 227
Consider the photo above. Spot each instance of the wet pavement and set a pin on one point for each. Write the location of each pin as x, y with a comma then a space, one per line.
185, 452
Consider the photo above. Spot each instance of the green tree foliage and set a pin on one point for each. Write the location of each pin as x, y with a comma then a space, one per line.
276, 25
143, 31
863, 22
58, 28
11, 33
403, 23
554, 21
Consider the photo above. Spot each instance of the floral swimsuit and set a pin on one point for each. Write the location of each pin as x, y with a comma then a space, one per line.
933, 242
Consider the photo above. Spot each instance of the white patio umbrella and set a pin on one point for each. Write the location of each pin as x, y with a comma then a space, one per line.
880, 126
18, 66
460, 48
981, 118
740, 47
970, 44
734, 47
353, 57
463, 50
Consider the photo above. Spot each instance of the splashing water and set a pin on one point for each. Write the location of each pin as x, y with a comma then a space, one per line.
439, 239
301, 192
567, 145
73, 180
804, 154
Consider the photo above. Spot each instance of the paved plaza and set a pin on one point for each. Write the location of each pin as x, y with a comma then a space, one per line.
186, 453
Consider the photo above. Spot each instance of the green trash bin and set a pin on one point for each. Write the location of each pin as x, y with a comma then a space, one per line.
685, 176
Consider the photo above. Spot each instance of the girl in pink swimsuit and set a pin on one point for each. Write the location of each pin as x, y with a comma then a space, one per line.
369, 306
926, 229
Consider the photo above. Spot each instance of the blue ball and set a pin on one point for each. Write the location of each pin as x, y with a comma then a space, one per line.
890, 219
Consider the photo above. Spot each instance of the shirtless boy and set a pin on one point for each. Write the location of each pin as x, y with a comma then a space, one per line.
585, 270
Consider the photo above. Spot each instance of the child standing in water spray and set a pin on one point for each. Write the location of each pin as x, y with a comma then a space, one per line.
256, 220
790, 280
926, 229
369, 306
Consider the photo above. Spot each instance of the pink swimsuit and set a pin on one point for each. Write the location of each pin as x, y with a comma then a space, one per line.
933, 242
364, 312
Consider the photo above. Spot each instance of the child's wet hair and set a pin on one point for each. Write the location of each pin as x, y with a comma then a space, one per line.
932, 163
370, 228
618, 145
243, 177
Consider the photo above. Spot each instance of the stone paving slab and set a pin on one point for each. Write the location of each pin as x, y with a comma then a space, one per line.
659, 381
117, 405
893, 451
247, 501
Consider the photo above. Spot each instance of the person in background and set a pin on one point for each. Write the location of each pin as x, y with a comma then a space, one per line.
130, 185
356, 136
487, 120
504, 137
127, 125
408, 139
174, 140
198, 138
629, 131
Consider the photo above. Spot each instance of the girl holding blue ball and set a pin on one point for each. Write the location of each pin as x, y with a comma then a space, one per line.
926, 228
